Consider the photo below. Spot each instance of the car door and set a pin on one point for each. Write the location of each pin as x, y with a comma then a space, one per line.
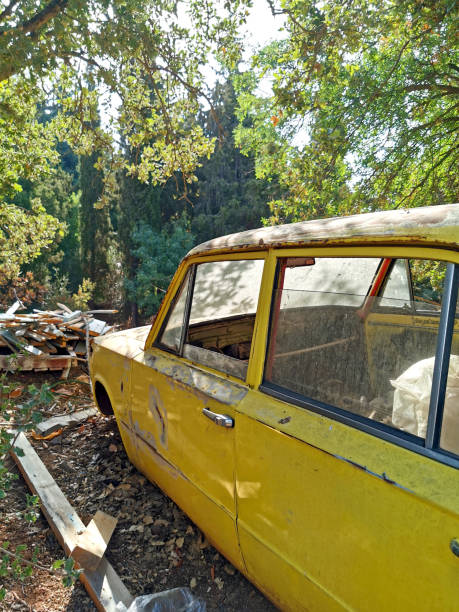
337, 506
186, 387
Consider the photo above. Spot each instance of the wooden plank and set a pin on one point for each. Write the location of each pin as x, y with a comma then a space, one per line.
73, 316
47, 335
51, 348
64, 307
93, 543
76, 327
80, 348
32, 362
64, 420
52, 329
97, 327
34, 335
20, 344
9, 344
103, 584
51, 320
12, 309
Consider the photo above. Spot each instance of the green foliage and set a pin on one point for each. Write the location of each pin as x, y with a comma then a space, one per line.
24, 234
149, 55
138, 203
68, 567
21, 408
59, 292
56, 194
27, 147
428, 278
158, 254
132, 49
81, 299
364, 107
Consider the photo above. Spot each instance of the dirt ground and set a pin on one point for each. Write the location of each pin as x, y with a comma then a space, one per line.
155, 546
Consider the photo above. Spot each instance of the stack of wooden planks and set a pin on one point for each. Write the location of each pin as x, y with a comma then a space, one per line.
47, 340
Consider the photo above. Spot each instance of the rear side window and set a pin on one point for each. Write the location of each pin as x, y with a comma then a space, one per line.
349, 333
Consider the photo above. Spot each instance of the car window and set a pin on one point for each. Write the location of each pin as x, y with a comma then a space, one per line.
326, 281
222, 315
332, 342
449, 439
396, 292
427, 278
172, 329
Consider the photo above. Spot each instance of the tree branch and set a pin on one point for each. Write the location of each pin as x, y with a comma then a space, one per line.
37, 21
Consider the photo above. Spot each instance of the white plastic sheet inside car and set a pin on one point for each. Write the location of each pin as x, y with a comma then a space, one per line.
412, 397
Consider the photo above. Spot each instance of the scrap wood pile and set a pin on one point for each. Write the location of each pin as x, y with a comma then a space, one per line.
47, 340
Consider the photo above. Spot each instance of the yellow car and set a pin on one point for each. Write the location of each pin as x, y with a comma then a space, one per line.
298, 396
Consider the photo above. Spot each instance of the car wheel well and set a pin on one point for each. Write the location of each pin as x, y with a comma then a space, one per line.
102, 399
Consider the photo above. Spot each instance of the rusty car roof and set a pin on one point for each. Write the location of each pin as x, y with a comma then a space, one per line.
428, 226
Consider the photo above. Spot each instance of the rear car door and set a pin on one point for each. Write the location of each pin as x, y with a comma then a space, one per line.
341, 502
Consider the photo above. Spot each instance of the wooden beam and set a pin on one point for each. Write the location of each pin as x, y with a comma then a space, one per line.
103, 584
33, 362
64, 420
93, 543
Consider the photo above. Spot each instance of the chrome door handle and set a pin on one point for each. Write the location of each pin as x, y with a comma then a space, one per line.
219, 419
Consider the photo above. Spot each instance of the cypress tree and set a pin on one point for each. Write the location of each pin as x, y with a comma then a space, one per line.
95, 229
229, 198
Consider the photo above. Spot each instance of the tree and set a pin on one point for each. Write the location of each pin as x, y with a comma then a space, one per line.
95, 229
24, 234
364, 107
132, 48
158, 253
56, 194
228, 197
138, 204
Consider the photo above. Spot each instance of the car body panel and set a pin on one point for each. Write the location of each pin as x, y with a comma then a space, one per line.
336, 523
429, 226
